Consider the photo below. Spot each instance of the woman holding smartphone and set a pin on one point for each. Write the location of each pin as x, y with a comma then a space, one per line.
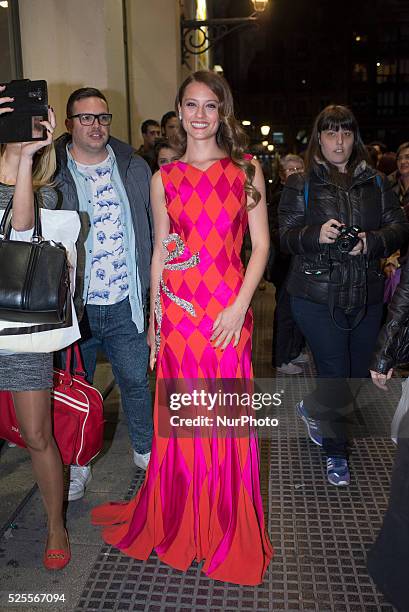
24, 169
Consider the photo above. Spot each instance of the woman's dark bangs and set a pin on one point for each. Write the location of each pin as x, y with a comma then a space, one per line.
338, 121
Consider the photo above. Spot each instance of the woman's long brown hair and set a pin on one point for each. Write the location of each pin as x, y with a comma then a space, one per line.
230, 136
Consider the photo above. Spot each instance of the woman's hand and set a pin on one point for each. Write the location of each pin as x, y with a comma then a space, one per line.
150, 338
29, 149
328, 233
361, 246
4, 100
228, 324
389, 270
380, 379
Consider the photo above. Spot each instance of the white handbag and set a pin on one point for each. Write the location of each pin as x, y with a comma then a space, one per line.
60, 226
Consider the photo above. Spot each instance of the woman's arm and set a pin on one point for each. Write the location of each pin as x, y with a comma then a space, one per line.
387, 346
231, 319
296, 237
23, 208
161, 231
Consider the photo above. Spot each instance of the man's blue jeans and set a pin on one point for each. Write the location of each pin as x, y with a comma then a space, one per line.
111, 328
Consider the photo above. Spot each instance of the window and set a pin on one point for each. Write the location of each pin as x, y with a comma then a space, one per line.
278, 137
404, 70
385, 71
403, 101
386, 103
359, 73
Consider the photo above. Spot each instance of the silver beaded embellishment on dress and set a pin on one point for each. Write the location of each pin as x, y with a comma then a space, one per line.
194, 260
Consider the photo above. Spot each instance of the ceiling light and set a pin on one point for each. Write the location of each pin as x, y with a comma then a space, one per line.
265, 130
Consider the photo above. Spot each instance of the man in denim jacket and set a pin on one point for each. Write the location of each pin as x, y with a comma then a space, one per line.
108, 184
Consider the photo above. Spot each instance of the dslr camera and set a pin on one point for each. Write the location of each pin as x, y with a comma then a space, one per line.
347, 238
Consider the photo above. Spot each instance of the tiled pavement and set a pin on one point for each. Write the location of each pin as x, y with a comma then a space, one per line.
320, 533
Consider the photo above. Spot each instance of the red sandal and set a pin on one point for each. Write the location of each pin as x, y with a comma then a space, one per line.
57, 558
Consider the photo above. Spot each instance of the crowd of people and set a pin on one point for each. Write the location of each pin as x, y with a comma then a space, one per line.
160, 281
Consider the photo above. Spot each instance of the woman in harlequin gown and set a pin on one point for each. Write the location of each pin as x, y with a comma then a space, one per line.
201, 496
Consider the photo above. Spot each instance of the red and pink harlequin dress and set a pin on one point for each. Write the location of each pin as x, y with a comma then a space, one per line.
201, 496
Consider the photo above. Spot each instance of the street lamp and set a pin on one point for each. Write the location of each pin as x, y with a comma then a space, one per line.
265, 130
197, 36
260, 5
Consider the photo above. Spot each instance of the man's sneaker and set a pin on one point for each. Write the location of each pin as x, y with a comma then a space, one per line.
288, 368
79, 479
301, 358
312, 425
141, 461
338, 471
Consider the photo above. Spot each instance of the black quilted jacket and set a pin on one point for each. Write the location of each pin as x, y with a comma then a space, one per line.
320, 272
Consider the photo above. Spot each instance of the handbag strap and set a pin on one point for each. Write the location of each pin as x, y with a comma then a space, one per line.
79, 366
6, 226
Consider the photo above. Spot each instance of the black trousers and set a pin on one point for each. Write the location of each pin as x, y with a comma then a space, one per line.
288, 341
388, 559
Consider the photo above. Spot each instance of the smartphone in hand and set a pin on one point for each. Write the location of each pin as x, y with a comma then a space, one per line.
30, 107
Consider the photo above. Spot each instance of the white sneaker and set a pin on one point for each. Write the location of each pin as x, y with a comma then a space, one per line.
79, 479
141, 461
301, 358
289, 368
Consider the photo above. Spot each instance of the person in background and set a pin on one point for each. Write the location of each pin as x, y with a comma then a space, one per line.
287, 338
150, 130
400, 178
387, 163
388, 558
380, 149
336, 284
25, 168
164, 153
400, 181
372, 155
169, 125
108, 184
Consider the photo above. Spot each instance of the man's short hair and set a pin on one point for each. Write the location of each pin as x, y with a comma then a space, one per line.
80, 94
147, 123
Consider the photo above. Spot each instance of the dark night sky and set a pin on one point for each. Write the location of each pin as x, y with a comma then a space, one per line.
303, 56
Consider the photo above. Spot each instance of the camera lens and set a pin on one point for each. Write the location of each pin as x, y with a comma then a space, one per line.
344, 245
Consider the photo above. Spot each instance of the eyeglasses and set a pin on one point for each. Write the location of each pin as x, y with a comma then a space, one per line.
403, 157
89, 118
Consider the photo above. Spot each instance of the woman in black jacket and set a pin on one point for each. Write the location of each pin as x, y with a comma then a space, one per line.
338, 221
388, 559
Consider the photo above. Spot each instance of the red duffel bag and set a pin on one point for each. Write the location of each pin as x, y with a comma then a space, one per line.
77, 409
